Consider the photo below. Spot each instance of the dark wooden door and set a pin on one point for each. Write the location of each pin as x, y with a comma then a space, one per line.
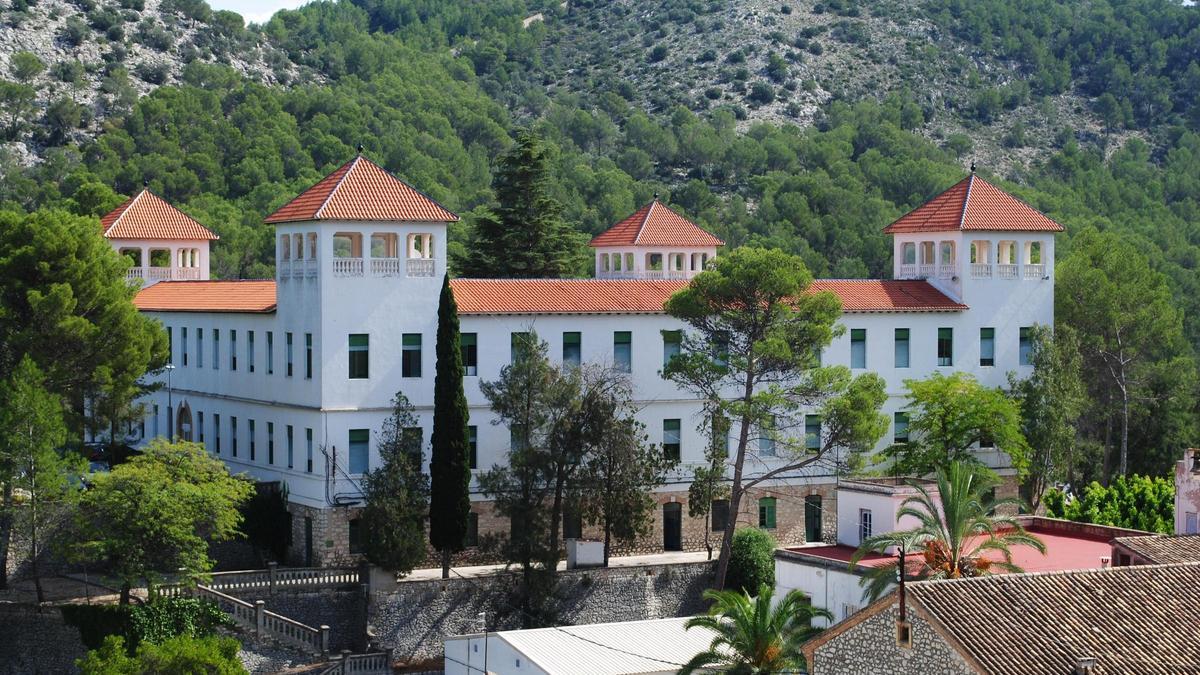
673, 527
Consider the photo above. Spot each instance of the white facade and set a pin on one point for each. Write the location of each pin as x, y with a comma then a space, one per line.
156, 260
1187, 493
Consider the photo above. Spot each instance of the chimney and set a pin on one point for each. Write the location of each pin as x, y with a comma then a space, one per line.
1104, 561
1195, 453
1085, 665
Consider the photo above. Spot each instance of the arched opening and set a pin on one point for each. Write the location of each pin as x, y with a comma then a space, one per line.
183, 423
285, 247
1035, 267
1006, 260
385, 254
981, 259
947, 259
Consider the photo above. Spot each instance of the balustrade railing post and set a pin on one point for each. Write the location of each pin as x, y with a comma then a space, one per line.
271, 577
325, 641
260, 611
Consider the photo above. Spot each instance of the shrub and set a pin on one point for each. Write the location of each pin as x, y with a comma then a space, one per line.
74, 32
658, 53
167, 618
154, 73
761, 92
25, 66
183, 654
1139, 502
751, 560
97, 622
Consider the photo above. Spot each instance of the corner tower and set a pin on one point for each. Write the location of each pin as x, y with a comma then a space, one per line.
653, 243
162, 242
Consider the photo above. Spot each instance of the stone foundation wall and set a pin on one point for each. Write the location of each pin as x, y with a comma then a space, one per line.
37, 641
870, 647
343, 610
20, 544
330, 536
415, 617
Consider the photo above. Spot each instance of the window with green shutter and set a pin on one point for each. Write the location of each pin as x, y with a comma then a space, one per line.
410, 357
360, 356
766, 513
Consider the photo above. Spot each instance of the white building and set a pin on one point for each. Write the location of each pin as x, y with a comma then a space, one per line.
163, 243
290, 380
653, 647
1187, 492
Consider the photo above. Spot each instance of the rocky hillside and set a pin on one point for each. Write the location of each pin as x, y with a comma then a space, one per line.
69, 65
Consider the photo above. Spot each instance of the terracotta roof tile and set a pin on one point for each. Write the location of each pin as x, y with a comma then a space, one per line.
973, 204
1139, 619
146, 216
1162, 549
655, 225
362, 190
635, 296
252, 296
875, 295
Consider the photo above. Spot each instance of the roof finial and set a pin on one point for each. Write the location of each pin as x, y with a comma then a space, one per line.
655, 196
145, 183
360, 148
972, 166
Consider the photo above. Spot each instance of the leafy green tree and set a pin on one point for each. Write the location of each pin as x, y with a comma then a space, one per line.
752, 560
157, 513
949, 415
958, 528
1052, 400
65, 302
620, 469
754, 635
32, 461
767, 355
1137, 502
449, 468
396, 495
16, 101
708, 480
525, 235
25, 66
1129, 328
183, 654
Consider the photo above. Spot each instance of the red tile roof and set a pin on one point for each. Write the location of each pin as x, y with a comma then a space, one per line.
362, 190
638, 296
146, 216
252, 296
974, 204
874, 295
655, 225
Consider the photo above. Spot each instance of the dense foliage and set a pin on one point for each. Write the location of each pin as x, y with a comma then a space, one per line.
751, 561
182, 654
156, 622
396, 494
1138, 502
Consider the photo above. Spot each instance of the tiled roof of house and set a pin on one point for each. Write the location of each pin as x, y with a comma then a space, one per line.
875, 295
973, 204
146, 216
639, 296
362, 190
655, 225
1139, 619
251, 296
1162, 549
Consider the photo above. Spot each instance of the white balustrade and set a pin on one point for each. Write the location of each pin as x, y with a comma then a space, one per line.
348, 267
908, 271
946, 271
385, 267
927, 271
1006, 271
158, 273
135, 273
981, 271
419, 267
1035, 271
285, 270
310, 268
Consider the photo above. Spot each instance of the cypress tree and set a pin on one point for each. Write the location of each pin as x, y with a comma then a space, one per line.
525, 236
449, 473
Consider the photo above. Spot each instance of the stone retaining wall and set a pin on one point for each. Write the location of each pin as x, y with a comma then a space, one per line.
37, 642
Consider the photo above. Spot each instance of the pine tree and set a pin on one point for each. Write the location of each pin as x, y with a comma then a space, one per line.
449, 472
525, 236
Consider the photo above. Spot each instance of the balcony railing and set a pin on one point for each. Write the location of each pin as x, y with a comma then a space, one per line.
310, 269
158, 273
419, 267
153, 274
348, 267
1035, 271
285, 270
946, 271
908, 271
1006, 271
927, 271
385, 267
981, 271
648, 274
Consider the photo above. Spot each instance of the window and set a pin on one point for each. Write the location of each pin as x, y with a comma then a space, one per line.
945, 347
199, 347
410, 358
900, 425
291, 447
216, 340
812, 518
572, 354
308, 451
672, 441
812, 432
156, 419
901, 347
987, 346
270, 443
469, 343
270, 353
858, 347
766, 513
720, 433
359, 356
250, 432
216, 433
308, 356
360, 447
864, 524
672, 344
518, 342
908, 253
472, 538
1189, 523
572, 524
355, 535
233, 434
183, 346
472, 447
413, 439
720, 515
170, 345
1025, 347
287, 353
516, 437
233, 349
250, 351
623, 351
946, 250
200, 427
766, 439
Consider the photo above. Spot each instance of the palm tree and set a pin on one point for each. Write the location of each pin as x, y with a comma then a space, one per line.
751, 637
952, 540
